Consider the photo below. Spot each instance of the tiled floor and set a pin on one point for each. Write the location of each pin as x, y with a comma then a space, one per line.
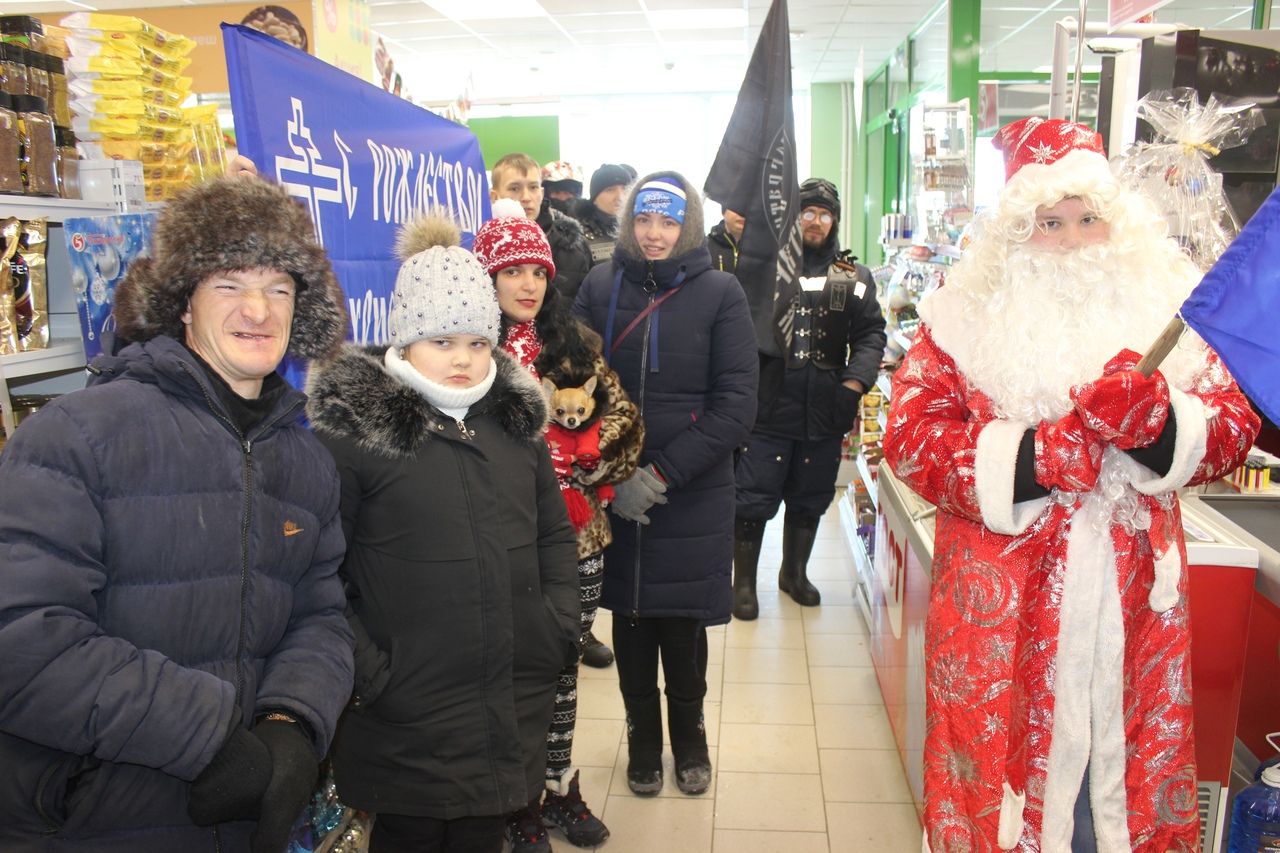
803, 755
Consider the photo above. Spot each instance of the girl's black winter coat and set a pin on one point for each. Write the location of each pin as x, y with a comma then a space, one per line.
461, 574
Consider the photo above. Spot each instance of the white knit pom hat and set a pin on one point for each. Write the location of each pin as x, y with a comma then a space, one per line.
441, 288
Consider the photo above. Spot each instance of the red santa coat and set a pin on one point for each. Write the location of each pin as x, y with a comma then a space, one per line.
1057, 634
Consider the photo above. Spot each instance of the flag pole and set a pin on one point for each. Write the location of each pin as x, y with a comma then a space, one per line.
1163, 345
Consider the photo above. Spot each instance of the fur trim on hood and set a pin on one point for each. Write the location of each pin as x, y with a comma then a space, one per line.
562, 230
355, 397
692, 232
225, 225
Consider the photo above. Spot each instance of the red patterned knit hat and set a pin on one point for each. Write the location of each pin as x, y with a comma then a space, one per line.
510, 238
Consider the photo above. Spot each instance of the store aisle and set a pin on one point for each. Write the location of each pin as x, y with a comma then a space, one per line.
802, 749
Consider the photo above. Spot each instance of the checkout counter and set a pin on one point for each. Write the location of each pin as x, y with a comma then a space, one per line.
1233, 551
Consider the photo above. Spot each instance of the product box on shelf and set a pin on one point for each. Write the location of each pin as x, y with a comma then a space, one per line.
100, 249
116, 181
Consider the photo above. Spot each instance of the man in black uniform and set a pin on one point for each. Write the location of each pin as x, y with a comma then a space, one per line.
794, 449
722, 241
599, 213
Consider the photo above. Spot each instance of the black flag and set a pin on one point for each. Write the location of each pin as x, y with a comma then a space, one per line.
755, 175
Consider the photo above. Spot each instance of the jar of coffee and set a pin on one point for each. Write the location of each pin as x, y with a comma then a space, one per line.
13, 68
59, 96
68, 163
39, 145
24, 30
37, 74
10, 149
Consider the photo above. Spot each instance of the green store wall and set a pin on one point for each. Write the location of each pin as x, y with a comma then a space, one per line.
831, 133
537, 136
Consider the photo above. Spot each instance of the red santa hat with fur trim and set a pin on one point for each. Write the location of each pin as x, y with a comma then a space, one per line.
1050, 159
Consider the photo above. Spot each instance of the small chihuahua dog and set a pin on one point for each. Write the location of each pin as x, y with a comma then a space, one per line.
571, 407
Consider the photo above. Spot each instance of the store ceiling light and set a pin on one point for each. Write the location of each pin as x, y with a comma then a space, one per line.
470, 10
697, 19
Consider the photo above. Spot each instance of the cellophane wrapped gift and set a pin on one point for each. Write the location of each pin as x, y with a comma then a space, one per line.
1175, 172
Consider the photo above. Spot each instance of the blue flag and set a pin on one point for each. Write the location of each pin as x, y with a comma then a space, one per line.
1238, 294
363, 161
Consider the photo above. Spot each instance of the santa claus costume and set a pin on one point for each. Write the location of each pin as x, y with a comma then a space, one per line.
1057, 637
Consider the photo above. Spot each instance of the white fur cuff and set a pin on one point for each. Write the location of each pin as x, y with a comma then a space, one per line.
994, 463
1191, 423
560, 786
1011, 807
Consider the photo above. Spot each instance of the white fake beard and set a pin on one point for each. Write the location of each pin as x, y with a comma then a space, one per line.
1057, 318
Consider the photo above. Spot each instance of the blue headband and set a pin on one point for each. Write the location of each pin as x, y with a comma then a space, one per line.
661, 197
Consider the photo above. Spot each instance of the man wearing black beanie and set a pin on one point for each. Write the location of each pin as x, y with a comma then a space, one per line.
599, 213
794, 450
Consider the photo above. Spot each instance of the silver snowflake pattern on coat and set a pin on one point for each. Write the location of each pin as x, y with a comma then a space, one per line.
992, 634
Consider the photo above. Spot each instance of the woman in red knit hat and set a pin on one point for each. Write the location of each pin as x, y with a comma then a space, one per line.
539, 332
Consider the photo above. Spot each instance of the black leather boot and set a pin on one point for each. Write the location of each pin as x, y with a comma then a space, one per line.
689, 745
798, 535
748, 533
644, 745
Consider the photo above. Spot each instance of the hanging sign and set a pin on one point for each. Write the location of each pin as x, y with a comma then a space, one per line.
1121, 12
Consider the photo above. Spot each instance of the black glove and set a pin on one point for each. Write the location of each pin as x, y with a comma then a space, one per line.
232, 786
294, 772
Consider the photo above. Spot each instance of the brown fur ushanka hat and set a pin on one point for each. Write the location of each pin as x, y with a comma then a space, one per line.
224, 225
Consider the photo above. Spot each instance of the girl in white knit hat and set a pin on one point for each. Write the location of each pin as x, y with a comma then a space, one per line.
458, 543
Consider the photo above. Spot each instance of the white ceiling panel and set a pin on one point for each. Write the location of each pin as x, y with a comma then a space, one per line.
656, 5
608, 21
395, 12
622, 38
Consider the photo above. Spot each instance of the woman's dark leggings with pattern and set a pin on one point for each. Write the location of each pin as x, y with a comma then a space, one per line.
560, 735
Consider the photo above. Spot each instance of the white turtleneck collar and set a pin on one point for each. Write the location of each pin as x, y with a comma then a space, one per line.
454, 402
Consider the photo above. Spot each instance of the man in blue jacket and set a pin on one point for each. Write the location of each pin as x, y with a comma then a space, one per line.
175, 655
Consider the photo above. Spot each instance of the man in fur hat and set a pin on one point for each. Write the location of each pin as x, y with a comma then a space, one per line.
171, 622
1058, 694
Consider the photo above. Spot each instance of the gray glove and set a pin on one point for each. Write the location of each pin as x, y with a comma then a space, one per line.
633, 496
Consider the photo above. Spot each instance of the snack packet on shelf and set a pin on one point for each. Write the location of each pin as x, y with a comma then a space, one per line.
32, 307
9, 237
97, 25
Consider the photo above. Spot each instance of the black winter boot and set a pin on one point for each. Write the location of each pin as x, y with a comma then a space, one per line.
644, 745
748, 533
798, 535
689, 745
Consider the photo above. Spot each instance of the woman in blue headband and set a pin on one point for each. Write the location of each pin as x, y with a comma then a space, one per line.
679, 335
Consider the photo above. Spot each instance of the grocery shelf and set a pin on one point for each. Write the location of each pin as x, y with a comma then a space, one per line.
61, 354
885, 384
867, 480
56, 210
